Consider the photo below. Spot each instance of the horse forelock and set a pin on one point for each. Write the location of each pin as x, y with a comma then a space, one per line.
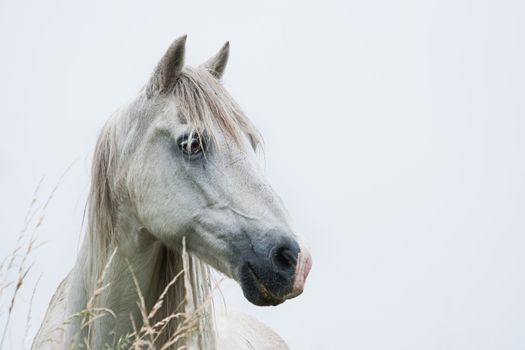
204, 103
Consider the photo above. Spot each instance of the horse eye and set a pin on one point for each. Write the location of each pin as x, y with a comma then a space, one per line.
191, 144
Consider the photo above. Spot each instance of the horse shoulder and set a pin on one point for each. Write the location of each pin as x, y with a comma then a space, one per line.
51, 332
239, 331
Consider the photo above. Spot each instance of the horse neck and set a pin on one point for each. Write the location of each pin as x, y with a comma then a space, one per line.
173, 288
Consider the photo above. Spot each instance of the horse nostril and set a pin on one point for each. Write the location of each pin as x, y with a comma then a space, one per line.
284, 259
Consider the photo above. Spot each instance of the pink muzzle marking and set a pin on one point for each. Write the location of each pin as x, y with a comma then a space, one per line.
304, 264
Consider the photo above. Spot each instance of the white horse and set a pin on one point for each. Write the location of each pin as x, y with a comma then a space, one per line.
176, 168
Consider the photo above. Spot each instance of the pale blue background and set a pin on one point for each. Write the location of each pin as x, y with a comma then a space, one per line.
395, 133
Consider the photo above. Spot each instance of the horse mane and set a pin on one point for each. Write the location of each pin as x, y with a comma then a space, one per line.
204, 104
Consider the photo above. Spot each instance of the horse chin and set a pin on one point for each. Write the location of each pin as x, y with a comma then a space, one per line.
255, 291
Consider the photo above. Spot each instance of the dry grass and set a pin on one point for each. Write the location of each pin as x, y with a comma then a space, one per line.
15, 267
147, 332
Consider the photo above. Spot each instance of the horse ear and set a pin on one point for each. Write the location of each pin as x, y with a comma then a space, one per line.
217, 64
169, 67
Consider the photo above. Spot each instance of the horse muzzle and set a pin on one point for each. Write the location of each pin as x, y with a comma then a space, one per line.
272, 275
